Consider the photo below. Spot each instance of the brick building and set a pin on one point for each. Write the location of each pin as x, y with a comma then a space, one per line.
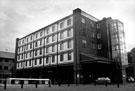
7, 63
71, 49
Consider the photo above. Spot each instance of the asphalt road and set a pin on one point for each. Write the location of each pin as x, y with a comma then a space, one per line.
73, 87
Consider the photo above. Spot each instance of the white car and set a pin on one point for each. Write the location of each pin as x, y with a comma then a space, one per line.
103, 80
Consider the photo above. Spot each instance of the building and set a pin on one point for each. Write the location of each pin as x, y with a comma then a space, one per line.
7, 63
68, 50
131, 61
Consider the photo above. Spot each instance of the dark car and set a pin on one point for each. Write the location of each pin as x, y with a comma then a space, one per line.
103, 80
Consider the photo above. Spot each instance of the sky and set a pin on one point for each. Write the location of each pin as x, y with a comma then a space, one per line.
21, 17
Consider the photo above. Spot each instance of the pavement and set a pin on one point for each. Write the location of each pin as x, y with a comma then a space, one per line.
72, 87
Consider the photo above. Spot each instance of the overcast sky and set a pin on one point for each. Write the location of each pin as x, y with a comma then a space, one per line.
21, 17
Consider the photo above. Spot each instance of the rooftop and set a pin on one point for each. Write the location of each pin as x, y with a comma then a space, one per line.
7, 55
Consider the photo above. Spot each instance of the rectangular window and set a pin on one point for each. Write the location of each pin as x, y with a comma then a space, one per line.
99, 46
35, 52
47, 49
30, 37
61, 35
53, 38
5, 67
30, 45
30, 54
6, 60
69, 22
61, 24
69, 55
26, 55
36, 44
47, 60
26, 63
53, 48
36, 35
40, 42
61, 57
69, 44
30, 63
53, 58
27, 39
40, 51
41, 33
35, 61
22, 56
40, 61
93, 35
53, 28
47, 31
47, 40
68, 32
61, 46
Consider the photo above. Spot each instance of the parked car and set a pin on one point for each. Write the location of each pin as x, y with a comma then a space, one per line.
103, 80
130, 79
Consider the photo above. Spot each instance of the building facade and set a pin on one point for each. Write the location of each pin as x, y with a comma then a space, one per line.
67, 50
7, 63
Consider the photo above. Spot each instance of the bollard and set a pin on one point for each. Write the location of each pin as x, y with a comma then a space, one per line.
5, 84
59, 83
49, 83
68, 84
95, 83
118, 84
22, 82
36, 84
106, 84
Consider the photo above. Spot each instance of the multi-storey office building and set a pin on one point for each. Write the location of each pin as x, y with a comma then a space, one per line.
65, 50
111, 43
7, 64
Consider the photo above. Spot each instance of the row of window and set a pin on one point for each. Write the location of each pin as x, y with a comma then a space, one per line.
49, 49
48, 60
4, 68
6, 60
47, 31
48, 40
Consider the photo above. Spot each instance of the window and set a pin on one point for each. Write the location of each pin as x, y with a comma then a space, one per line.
29, 62
99, 46
6, 60
22, 56
26, 47
47, 49
35, 61
41, 33
83, 31
68, 32
92, 24
53, 48
35, 52
26, 55
61, 35
5, 67
69, 22
40, 61
83, 20
61, 24
40, 41
36, 35
22, 41
53, 58
98, 25
40, 51
69, 44
47, 60
61, 57
27, 39
0, 67
93, 46
26, 63
84, 42
30, 37
47, 30
22, 48
30, 54
47, 40
30, 45
61, 46
36, 44
53, 28
53, 38
69, 55
98, 35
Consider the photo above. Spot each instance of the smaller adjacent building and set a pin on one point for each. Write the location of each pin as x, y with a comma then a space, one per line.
131, 61
7, 63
